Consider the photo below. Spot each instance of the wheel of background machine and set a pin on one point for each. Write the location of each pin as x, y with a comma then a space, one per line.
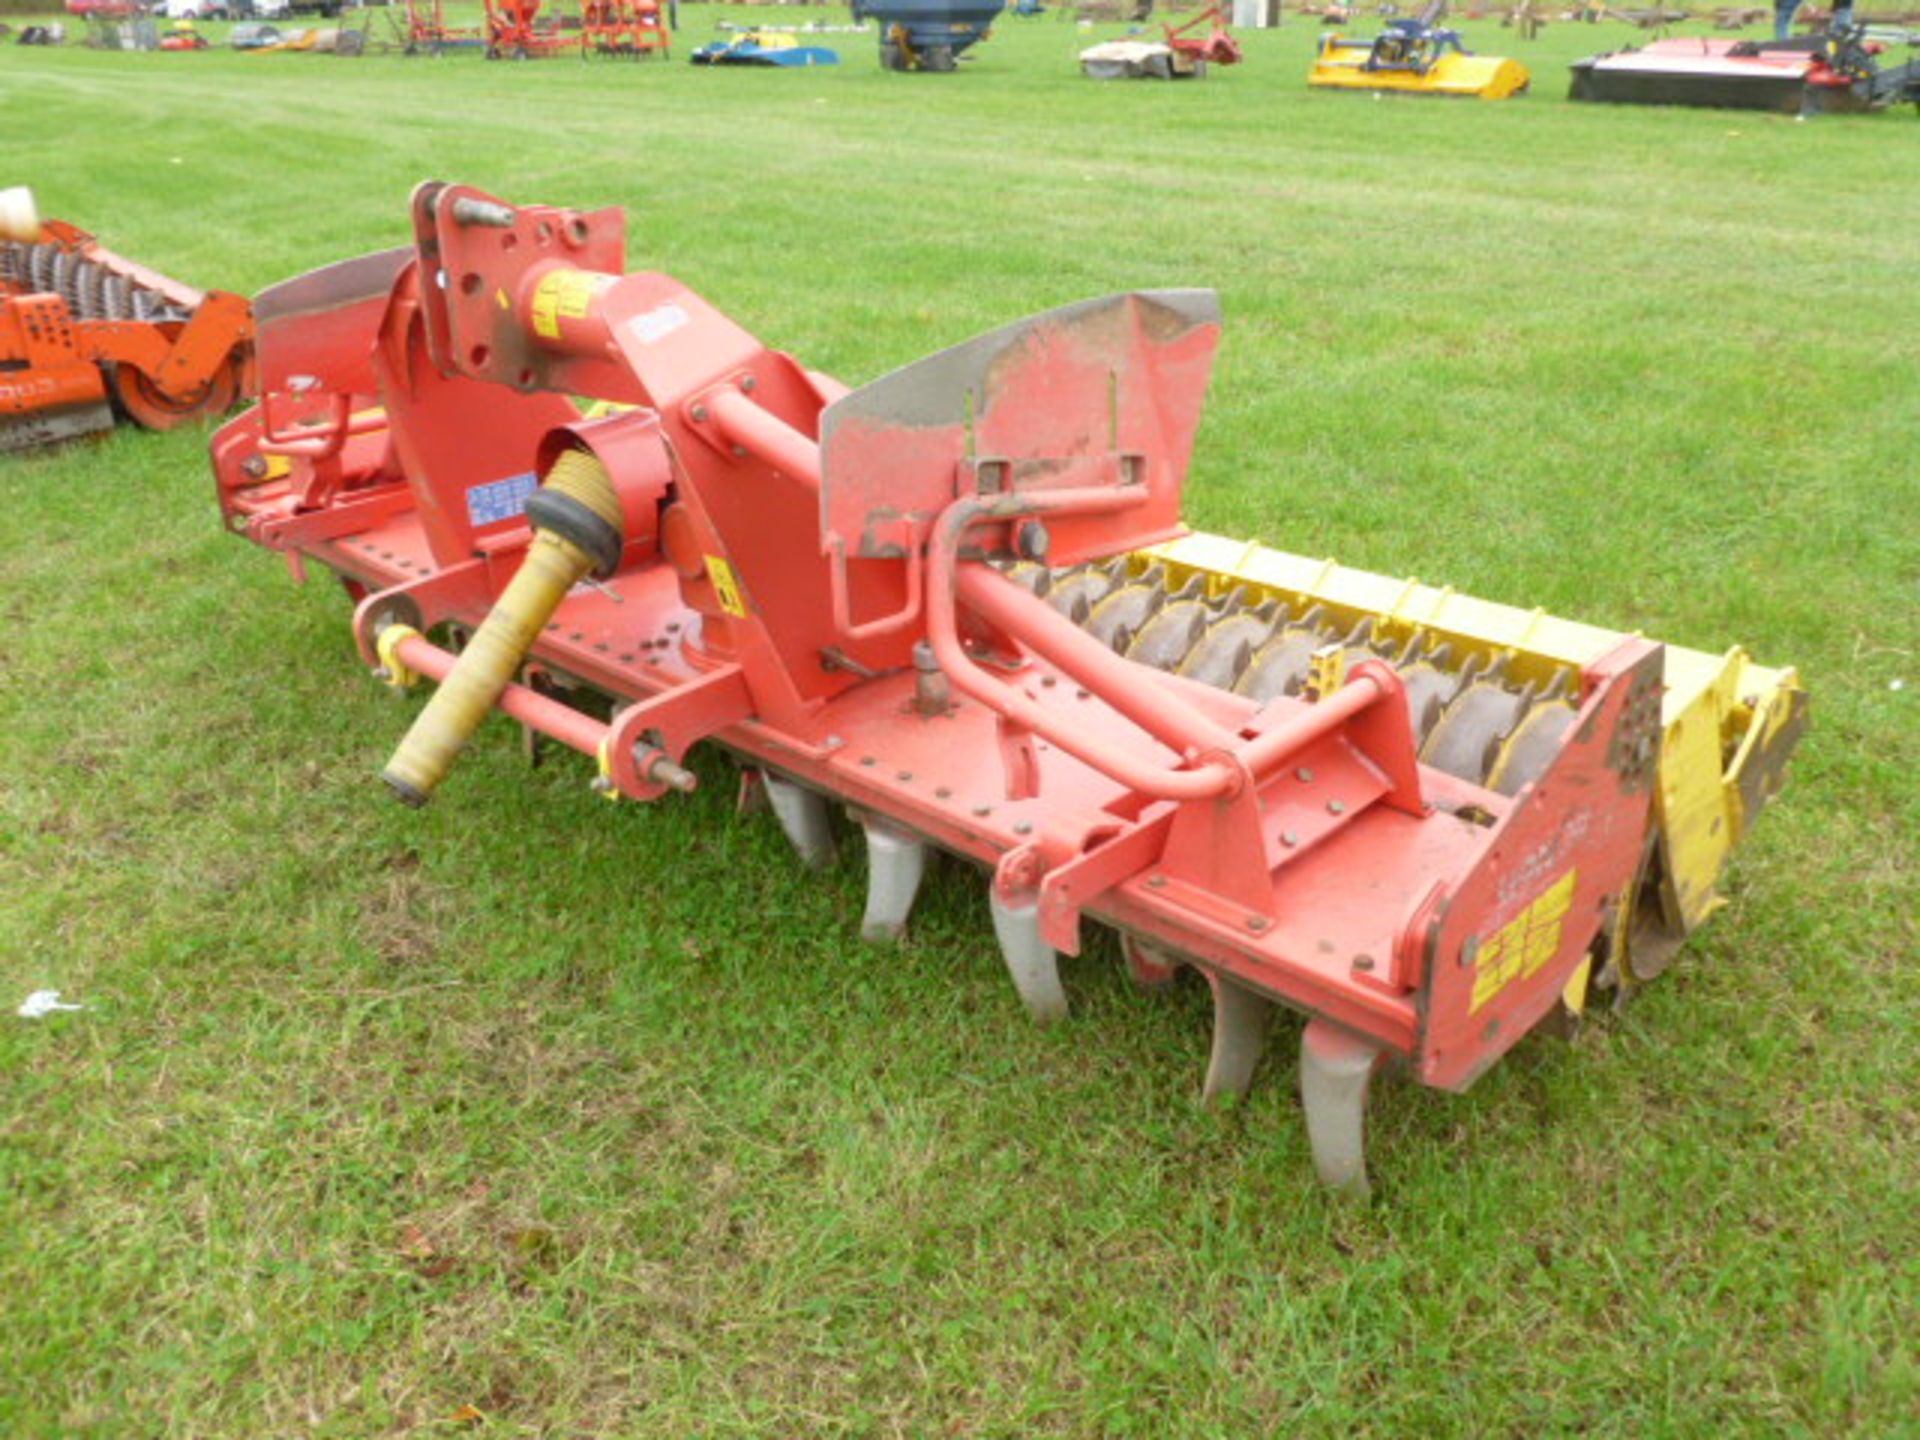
937, 59
890, 58
142, 402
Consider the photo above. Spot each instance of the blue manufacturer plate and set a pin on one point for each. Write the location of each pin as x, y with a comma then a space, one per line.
499, 500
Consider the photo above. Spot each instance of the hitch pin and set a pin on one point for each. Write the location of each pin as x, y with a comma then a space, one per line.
488, 213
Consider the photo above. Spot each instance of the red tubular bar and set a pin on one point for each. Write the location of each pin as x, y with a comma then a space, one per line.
764, 435
1217, 776
529, 707
1125, 686
1326, 714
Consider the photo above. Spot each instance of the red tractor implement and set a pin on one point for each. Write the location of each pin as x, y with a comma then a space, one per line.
960, 602
1214, 47
428, 33
84, 331
515, 31
631, 28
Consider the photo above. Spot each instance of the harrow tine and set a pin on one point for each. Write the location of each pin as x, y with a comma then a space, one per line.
1030, 960
1240, 1019
803, 818
895, 863
1335, 1068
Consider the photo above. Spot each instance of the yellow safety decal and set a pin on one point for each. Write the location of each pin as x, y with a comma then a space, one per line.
546, 311
561, 295
576, 292
500, 299
1529, 941
725, 588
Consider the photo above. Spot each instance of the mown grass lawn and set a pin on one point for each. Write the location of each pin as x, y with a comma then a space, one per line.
531, 1116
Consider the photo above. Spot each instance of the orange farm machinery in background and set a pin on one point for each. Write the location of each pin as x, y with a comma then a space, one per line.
85, 332
631, 28
516, 30
429, 34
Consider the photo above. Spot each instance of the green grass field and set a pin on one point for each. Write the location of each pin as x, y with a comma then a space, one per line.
530, 1116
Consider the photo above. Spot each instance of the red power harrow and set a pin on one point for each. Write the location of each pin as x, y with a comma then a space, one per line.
863, 595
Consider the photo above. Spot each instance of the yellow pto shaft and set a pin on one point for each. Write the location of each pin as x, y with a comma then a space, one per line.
577, 529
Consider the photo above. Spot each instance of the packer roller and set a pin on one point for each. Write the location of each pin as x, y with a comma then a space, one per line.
959, 603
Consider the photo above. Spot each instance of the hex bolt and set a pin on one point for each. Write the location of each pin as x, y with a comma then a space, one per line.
1336, 807
1257, 923
1289, 839
904, 776
1304, 775
866, 760
1023, 827
931, 693
748, 384
1156, 882
983, 811
699, 413
1363, 962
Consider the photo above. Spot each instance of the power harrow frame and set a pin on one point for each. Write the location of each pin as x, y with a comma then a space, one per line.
84, 331
865, 596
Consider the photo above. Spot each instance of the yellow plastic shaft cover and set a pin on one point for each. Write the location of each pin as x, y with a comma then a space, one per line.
553, 566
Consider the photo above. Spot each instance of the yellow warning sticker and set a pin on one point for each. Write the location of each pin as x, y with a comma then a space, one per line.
546, 311
576, 289
725, 588
1526, 943
562, 295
